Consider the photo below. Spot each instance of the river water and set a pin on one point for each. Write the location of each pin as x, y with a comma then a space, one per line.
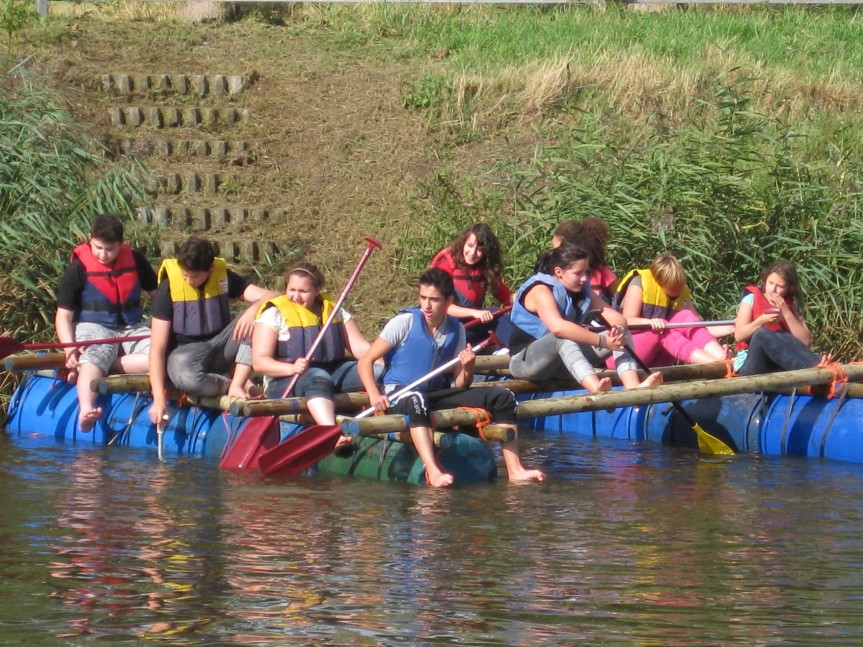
626, 544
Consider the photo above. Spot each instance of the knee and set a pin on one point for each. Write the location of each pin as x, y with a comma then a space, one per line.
501, 404
759, 337
413, 406
317, 383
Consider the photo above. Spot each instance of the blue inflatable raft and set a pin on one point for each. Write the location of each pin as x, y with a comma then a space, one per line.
44, 406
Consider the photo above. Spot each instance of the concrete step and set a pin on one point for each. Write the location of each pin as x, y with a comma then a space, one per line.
181, 147
205, 218
238, 251
176, 117
192, 183
202, 85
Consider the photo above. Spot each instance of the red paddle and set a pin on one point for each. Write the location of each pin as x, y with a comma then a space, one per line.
9, 346
258, 433
296, 453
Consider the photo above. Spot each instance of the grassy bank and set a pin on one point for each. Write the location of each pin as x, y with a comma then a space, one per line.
729, 136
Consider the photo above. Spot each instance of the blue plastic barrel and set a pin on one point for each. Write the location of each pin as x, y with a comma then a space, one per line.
734, 419
814, 426
623, 423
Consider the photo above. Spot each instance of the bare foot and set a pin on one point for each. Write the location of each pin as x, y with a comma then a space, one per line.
343, 441
602, 385
87, 419
72, 376
440, 479
654, 379
527, 475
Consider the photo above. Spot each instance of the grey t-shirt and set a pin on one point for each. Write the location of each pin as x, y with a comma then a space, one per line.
397, 329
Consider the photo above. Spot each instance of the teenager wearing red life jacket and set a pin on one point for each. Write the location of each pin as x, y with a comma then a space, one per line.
473, 260
100, 298
770, 329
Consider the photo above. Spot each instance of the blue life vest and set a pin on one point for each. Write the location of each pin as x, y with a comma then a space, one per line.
420, 354
112, 294
530, 324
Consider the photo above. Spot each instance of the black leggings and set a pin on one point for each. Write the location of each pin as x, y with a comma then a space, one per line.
771, 351
498, 401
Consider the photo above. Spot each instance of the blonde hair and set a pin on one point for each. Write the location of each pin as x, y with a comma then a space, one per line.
668, 272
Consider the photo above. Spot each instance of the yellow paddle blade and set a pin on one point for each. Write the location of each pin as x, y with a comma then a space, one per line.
711, 444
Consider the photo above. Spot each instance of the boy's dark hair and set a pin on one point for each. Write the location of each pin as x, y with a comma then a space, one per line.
436, 278
108, 228
562, 256
196, 254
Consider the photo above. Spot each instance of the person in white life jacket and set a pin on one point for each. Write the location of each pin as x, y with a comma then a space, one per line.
770, 328
195, 342
99, 297
414, 343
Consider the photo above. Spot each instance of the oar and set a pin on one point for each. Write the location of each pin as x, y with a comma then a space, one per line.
248, 445
707, 443
9, 346
296, 453
672, 325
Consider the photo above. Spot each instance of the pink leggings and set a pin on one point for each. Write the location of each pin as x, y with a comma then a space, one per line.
664, 348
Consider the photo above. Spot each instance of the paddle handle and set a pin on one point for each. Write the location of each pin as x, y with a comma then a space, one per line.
672, 325
371, 246
425, 378
89, 342
476, 321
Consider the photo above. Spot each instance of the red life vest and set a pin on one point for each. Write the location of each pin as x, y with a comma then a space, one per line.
112, 294
759, 307
470, 284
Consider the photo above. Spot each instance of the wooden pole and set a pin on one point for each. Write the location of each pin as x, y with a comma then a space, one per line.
713, 370
121, 384
255, 408
685, 391
442, 419
35, 362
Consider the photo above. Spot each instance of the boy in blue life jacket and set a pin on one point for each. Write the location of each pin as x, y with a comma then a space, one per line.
195, 340
100, 298
414, 343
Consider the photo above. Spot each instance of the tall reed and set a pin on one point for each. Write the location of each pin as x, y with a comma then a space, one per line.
727, 196
54, 180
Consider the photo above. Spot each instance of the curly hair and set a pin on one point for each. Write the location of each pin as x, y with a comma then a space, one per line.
491, 263
591, 233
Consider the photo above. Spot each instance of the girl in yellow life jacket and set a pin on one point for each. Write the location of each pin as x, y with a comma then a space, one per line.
658, 296
285, 329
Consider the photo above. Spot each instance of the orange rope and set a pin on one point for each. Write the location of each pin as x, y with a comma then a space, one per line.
840, 377
481, 418
729, 368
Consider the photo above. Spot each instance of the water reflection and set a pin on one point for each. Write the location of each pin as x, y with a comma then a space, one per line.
625, 544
